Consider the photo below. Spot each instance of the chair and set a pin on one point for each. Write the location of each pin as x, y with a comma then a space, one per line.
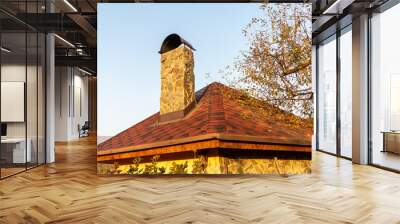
84, 130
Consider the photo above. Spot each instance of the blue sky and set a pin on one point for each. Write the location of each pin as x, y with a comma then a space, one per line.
129, 38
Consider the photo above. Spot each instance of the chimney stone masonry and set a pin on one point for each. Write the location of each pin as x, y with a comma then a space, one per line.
177, 78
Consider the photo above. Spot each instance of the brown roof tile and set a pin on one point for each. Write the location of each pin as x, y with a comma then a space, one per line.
215, 113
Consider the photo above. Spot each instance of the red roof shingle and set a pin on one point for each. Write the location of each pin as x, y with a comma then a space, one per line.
215, 112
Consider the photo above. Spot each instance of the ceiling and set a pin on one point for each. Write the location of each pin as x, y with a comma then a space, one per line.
75, 22
332, 15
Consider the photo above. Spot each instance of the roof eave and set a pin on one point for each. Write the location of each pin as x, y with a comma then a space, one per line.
218, 136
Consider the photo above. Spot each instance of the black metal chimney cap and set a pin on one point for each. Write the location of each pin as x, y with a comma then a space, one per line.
173, 41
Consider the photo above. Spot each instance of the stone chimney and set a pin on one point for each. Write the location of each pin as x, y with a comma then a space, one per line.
177, 78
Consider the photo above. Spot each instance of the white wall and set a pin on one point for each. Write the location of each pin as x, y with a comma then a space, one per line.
12, 73
33, 127
80, 110
16, 73
62, 82
71, 102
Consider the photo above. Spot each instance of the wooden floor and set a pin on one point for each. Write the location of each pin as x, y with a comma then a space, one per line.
69, 191
5, 172
387, 159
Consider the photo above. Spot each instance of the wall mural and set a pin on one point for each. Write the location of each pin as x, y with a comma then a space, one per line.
256, 118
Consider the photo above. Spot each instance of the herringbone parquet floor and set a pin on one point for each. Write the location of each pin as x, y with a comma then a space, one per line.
69, 191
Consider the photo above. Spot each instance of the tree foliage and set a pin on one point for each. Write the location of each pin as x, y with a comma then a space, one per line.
276, 69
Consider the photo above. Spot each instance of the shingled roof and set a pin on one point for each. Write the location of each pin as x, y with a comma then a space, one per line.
216, 116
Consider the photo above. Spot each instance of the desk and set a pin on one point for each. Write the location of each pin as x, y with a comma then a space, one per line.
391, 141
13, 150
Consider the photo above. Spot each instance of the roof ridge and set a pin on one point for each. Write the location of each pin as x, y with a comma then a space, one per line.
217, 115
223, 104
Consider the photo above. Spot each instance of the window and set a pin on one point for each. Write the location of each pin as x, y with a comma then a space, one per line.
22, 77
346, 93
327, 95
385, 89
